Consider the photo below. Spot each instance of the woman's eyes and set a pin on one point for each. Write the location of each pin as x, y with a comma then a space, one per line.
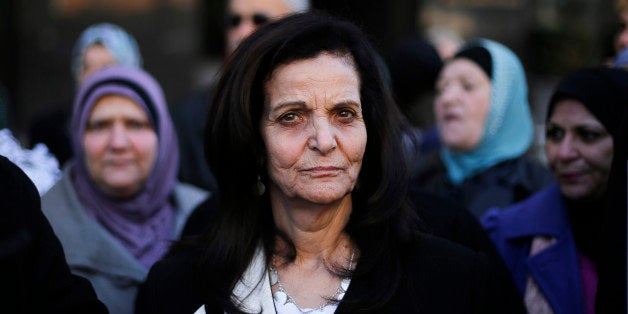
97, 125
346, 115
131, 124
589, 136
291, 118
554, 134
585, 135
464, 85
467, 86
138, 125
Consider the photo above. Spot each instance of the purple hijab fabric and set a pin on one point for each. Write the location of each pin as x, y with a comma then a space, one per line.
144, 222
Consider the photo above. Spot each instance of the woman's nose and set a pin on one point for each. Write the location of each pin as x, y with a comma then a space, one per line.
119, 137
323, 136
567, 149
446, 96
244, 29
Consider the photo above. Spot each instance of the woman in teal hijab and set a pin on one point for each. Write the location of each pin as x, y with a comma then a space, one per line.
485, 128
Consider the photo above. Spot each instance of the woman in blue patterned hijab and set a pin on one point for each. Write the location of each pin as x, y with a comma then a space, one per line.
112, 45
508, 129
485, 127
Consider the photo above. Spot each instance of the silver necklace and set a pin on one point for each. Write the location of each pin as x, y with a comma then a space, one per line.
283, 297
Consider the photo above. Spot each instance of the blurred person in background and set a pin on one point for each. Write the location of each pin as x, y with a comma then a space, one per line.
621, 38
118, 204
414, 66
242, 17
485, 128
561, 240
98, 46
245, 16
446, 41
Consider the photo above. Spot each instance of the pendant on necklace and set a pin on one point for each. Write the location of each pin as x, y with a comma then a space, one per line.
281, 296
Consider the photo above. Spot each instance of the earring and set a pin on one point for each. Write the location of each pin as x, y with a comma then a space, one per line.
261, 188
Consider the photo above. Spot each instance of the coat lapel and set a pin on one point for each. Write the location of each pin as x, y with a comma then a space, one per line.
554, 269
556, 272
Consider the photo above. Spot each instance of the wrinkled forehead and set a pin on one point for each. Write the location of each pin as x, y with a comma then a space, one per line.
126, 90
343, 58
116, 104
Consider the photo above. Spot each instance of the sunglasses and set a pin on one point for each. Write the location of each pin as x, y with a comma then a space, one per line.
258, 19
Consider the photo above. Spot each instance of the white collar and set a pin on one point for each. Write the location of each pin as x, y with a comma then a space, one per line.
251, 290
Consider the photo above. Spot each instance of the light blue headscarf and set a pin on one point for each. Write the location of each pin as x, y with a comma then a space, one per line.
508, 129
120, 44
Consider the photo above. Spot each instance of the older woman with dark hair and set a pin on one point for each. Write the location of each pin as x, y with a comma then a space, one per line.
305, 143
118, 204
560, 241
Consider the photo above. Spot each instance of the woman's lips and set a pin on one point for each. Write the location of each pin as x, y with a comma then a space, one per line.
570, 177
322, 171
451, 117
118, 163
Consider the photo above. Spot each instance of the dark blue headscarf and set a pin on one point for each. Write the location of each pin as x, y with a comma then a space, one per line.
603, 91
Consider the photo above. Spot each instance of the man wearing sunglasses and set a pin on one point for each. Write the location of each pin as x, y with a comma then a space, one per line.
245, 16
242, 18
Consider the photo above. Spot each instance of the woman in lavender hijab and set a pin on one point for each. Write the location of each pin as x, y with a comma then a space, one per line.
118, 204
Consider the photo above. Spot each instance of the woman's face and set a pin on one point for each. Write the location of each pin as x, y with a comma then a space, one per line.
95, 58
313, 129
120, 146
462, 103
251, 14
579, 150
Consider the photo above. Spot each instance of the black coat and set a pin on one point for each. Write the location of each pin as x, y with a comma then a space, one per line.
503, 184
447, 219
34, 276
438, 277
440, 217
